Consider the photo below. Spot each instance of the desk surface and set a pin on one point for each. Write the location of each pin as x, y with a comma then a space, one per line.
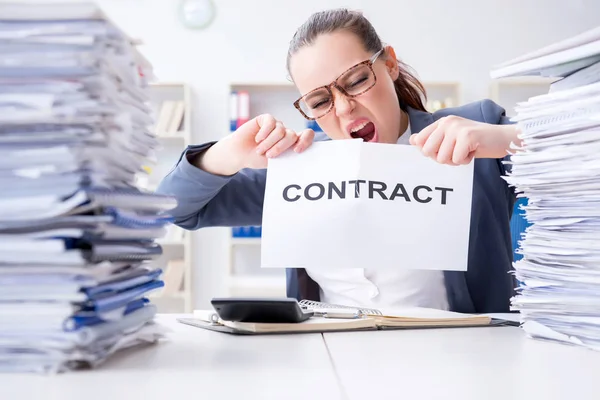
195, 364
467, 364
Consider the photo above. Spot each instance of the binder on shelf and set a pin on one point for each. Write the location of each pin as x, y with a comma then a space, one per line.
243, 109
233, 111
163, 121
170, 118
246, 231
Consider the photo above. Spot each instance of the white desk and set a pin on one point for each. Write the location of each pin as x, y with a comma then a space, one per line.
194, 364
462, 364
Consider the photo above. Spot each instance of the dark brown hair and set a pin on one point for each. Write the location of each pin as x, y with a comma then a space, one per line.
410, 91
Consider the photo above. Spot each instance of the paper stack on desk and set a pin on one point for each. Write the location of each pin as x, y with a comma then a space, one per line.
75, 232
558, 170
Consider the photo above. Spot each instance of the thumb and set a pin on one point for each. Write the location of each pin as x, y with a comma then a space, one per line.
267, 124
413, 139
305, 139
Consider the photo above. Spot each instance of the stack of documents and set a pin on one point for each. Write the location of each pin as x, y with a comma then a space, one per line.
76, 235
558, 169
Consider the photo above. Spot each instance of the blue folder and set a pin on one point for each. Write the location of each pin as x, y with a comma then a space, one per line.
90, 318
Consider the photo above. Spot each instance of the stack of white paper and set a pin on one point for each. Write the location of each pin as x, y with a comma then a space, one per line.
558, 169
75, 232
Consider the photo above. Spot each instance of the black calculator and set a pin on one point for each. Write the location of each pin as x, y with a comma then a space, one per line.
270, 310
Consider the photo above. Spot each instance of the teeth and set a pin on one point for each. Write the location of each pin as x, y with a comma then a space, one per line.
359, 127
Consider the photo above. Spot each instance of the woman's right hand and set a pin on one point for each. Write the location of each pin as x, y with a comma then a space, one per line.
252, 144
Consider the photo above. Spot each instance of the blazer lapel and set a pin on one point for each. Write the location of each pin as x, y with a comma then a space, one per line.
418, 120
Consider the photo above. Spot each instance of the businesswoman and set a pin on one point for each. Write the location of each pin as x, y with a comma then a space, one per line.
354, 87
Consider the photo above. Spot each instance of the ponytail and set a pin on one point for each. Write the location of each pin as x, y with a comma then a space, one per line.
410, 91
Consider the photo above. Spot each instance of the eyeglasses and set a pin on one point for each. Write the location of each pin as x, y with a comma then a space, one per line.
353, 82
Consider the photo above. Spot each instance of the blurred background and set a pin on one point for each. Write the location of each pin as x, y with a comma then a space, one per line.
218, 62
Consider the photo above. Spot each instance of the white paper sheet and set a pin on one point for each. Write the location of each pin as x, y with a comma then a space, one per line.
557, 169
410, 212
74, 131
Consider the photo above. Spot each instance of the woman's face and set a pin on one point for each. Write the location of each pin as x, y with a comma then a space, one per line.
374, 115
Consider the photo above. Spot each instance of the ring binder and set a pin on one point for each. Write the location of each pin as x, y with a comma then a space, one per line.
317, 305
125, 197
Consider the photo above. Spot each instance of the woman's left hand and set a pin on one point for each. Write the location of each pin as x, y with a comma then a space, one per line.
455, 140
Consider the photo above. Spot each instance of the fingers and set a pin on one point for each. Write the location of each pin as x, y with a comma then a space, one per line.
467, 160
300, 141
305, 139
450, 140
289, 139
446, 151
463, 151
419, 139
266, 125
274, 136
432, 145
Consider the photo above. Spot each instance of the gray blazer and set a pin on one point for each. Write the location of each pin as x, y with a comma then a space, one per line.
208, 200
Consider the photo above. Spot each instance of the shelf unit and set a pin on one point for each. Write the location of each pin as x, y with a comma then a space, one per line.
275, 98
508, 92
442, 94
173, 131
245, 277
279, 96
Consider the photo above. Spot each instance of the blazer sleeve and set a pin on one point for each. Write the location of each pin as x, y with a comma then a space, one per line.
207, 200
493, 113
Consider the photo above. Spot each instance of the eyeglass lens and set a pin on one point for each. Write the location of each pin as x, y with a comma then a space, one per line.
354, 82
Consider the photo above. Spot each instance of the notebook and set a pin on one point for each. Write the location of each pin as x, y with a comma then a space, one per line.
359, 319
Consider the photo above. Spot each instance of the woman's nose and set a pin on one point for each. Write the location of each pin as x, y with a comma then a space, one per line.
343, 104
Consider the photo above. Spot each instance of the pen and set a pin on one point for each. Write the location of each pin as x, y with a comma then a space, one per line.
339, 314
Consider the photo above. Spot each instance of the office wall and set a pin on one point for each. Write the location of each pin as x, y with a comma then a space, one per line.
442, 39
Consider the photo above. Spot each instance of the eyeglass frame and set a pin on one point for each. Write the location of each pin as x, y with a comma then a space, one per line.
368, 62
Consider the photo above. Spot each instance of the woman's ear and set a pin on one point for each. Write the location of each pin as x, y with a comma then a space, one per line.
391, 63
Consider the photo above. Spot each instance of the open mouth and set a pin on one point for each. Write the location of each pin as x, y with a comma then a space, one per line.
365, 132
